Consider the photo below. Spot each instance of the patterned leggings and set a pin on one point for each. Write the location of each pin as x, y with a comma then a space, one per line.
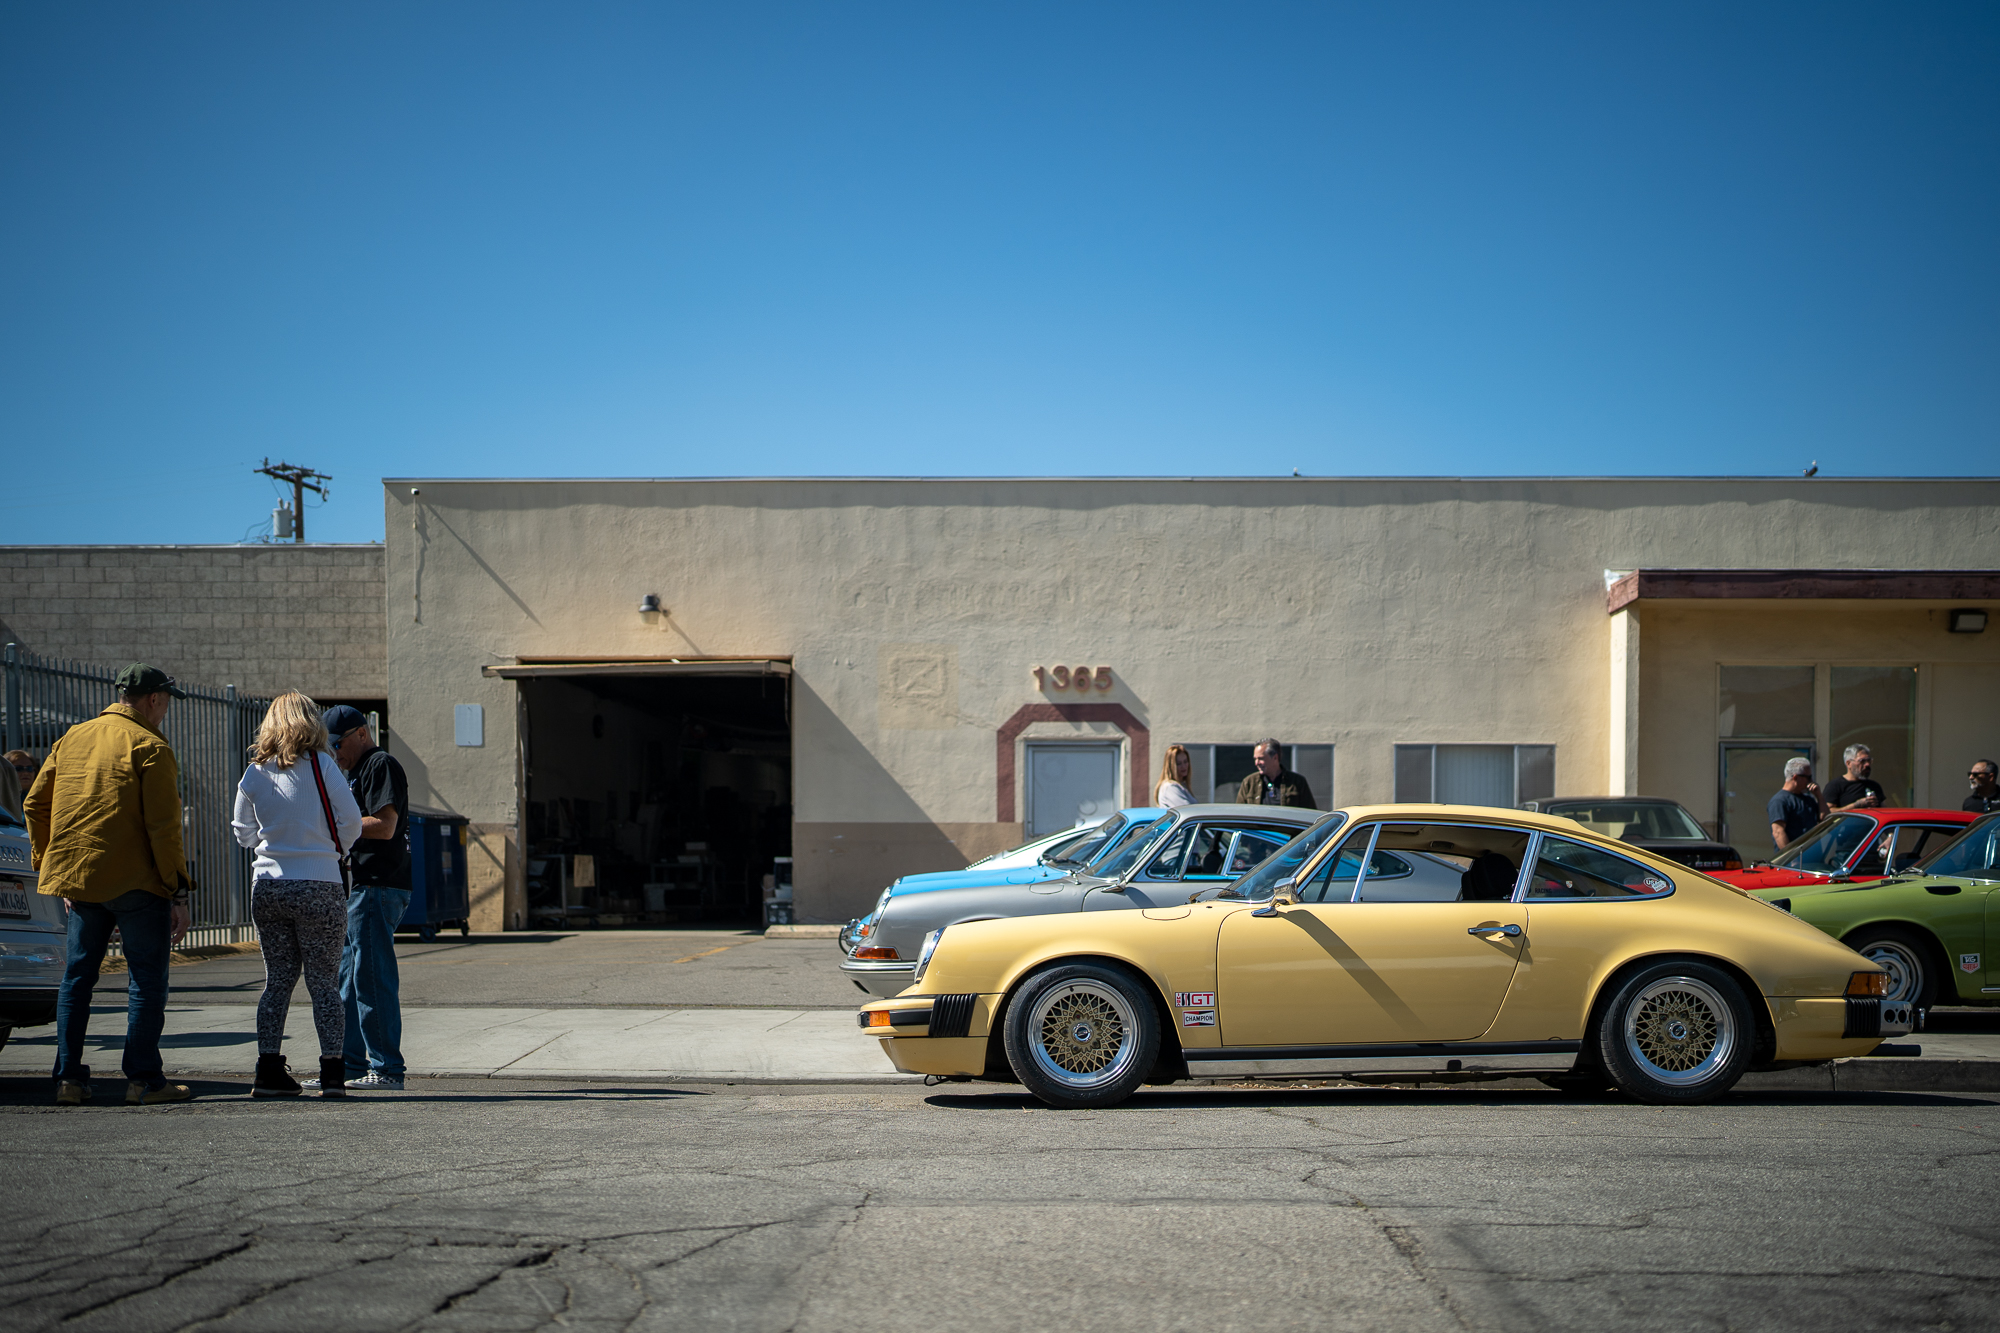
301, 923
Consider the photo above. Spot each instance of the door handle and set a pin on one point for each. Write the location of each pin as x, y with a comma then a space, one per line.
1508, 929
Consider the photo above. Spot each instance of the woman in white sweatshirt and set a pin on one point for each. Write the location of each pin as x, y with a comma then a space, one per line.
294, 809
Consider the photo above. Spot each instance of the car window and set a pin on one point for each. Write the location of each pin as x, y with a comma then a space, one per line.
1126, 852
1250, 849
1092, 842
1566, 869
1661, 820
1974, 855
1824, 850
1166, 863
1916, 841
1285, 863
1418, 863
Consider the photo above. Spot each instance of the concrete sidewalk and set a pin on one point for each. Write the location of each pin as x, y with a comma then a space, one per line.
727, 1045
757, 1045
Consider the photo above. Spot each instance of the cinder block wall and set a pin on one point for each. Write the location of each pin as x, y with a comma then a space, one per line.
263, 618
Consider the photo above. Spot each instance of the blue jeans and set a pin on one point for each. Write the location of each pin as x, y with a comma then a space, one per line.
368, 984
142, 921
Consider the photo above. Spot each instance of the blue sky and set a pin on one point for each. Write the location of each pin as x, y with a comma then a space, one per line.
655, 240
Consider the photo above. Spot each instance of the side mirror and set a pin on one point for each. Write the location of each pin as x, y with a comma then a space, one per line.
1284, 893
1111, 888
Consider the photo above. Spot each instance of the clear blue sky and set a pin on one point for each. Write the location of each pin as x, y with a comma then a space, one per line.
650, 239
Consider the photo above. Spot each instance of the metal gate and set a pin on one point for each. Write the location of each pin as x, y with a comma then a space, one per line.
210, 731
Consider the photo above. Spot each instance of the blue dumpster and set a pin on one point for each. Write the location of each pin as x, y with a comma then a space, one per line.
440, 894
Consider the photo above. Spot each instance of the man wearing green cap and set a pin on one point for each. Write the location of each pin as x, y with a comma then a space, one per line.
104, 816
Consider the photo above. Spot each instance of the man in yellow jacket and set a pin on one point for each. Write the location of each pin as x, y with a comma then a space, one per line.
104, 816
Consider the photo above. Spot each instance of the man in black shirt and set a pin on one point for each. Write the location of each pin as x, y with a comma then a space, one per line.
380, 895
1796, 807
1985, 798
1856, 791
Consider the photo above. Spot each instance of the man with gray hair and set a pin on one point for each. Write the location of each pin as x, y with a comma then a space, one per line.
1797, 806
1271, 783
1856, 791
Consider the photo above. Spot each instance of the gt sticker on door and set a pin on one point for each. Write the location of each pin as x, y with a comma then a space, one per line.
1194, 999
1968, 962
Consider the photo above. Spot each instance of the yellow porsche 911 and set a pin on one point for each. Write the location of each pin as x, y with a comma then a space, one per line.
1389, 943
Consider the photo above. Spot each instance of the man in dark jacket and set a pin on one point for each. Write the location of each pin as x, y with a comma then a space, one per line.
370, 986
1272, 783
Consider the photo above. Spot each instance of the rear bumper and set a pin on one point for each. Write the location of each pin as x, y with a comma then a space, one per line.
881, 980
1830, 1027
27, 1006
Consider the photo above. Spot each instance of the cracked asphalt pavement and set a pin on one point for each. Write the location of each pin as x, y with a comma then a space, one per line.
487, 1205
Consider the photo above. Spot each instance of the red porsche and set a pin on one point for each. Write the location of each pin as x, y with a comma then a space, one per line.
1853, 845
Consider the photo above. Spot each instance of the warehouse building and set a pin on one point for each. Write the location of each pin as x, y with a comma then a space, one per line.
649, 695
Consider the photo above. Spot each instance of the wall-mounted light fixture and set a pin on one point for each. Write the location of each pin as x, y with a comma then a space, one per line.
649, 604
1969, 620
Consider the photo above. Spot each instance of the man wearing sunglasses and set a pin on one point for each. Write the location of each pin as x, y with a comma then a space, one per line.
1985, 779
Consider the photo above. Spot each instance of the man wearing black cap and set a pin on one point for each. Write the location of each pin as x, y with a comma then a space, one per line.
375, 906
104, 817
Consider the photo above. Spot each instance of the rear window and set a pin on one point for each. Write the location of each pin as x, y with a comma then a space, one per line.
1565, 869
1653, 820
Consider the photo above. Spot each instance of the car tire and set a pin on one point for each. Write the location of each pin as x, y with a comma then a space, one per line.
1082, 1035
1910, 958
1675, 1033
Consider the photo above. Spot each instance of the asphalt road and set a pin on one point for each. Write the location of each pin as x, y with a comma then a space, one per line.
482, 1205
588, 969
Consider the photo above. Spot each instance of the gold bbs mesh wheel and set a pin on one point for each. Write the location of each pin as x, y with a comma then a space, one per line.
1680, 1030
1081, 1028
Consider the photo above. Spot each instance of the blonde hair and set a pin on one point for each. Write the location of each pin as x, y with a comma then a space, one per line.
1171, 771
290, 728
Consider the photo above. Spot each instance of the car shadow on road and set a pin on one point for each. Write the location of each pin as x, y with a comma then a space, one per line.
1360, 1098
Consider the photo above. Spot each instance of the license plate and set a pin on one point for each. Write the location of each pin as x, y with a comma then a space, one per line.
14, 901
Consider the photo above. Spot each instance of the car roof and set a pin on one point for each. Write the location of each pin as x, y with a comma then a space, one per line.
1629, 800
1493, 814
1897, 815
1233, 810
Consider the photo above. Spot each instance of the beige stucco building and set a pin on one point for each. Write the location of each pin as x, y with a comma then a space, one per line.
881, 676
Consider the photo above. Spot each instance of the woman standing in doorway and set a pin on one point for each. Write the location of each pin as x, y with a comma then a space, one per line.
1176, 779
294, 808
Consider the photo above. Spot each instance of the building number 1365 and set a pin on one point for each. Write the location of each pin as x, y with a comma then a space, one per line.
1072, 678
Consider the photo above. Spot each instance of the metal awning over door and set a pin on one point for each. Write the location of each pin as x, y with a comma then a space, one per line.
530, 668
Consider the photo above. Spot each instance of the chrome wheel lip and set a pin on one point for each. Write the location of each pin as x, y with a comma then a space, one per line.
1905, 969
1082, 993
1666, 1001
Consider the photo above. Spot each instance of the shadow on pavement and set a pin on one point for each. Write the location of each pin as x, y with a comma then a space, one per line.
108, 1088
1361, 1097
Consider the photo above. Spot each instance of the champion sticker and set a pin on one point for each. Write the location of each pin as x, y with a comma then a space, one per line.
1968, 962
1198, 1018
1194, 999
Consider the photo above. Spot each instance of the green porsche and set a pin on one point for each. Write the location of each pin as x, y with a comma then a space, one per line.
1935, 927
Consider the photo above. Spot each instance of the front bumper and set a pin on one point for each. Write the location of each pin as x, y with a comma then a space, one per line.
934, 1034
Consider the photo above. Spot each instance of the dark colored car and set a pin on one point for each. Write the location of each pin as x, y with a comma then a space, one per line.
1660, 826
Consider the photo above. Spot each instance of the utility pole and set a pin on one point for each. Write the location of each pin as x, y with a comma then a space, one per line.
302, 479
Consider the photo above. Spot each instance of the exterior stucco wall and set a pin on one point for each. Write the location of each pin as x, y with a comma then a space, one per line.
1358, 613
1958, 685
262, 618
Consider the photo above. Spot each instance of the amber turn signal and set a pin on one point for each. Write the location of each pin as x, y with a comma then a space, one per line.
879, 1019
1868, 983
876, 953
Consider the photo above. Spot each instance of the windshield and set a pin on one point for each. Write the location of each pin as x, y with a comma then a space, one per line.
1050, 845
1130, 848
1825, 849
1092, 842
1661, 820
1973, 854
1285, 862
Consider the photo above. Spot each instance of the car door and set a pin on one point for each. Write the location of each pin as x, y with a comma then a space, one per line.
1398, 964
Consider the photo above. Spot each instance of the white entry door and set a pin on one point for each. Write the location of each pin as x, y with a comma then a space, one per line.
1070, 785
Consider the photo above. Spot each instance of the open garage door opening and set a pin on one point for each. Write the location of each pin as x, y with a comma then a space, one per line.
655, 800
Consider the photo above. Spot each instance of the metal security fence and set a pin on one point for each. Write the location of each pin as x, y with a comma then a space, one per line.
210, 731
